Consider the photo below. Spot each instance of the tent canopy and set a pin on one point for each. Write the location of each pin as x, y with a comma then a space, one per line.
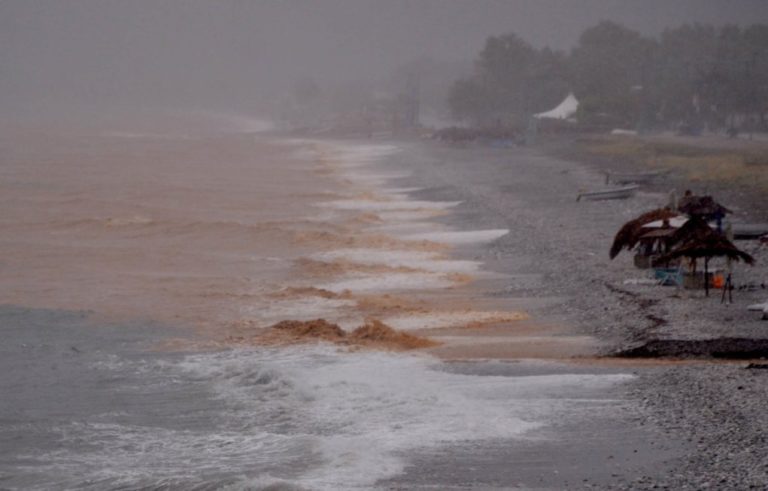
564, 110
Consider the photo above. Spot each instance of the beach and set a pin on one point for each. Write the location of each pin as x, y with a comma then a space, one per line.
148, 268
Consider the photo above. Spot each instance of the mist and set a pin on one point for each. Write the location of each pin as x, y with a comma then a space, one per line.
383, 244
239, 56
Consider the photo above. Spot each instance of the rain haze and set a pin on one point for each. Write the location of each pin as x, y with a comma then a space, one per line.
235, 54
383, 244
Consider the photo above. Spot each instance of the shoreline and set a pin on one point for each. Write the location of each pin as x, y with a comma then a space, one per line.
544, 339
698, 402
552, 264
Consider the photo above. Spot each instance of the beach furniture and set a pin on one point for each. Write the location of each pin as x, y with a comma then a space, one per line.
668, 276
749, 231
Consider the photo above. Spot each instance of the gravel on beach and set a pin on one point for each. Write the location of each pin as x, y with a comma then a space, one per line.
557, 252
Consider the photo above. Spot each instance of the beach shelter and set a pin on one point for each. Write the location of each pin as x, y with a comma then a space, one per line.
629, 234
564, 110
703, 206
703, 242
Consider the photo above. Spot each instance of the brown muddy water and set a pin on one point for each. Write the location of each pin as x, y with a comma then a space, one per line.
119, 244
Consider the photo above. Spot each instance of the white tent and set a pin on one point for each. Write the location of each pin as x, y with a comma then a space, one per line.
564, 110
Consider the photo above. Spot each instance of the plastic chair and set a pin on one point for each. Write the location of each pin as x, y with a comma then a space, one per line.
669, 276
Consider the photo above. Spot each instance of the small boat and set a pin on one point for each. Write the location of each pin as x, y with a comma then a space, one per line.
749, 231
634, 177
760, 307
611, 193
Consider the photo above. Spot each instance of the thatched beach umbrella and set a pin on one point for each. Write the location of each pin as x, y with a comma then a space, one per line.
696, 228
702, 206
629, 234
703, 244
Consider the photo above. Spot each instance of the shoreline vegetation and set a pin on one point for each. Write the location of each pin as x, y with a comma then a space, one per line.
690, 80
702, 161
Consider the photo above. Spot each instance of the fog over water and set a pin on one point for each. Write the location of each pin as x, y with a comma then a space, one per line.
239, 55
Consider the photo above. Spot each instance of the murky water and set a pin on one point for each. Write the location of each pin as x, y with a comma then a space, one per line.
88, 406
119, 245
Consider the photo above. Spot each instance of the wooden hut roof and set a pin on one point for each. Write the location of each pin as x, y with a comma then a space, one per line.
701, 206
659, 233
630, 232
712, 245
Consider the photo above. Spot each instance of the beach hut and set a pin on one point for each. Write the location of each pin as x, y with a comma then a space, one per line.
629, 234
565, 110
652, 245
700, 241
704, 207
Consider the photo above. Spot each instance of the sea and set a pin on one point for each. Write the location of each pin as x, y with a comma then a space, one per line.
142, 263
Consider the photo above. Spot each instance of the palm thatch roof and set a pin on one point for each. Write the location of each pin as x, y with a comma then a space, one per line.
629, 234
657, 234
704, 206
696, 228
707, 245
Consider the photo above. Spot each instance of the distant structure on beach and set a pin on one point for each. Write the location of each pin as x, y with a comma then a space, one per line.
565, 110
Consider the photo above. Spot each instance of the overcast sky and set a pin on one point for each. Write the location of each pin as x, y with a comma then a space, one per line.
230, 52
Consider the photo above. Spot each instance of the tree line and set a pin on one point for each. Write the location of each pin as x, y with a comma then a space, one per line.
690, 78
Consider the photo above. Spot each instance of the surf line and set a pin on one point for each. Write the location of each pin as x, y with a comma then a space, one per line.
391, 267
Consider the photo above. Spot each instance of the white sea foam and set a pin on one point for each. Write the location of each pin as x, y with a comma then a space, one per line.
307, 416
435, 320
384, 282
375, 256
407, 228
425, 261
399, 191
405, 216
388, 205
459, 237
362, 411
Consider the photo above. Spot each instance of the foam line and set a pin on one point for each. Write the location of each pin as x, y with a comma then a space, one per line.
436, 320
389, 282
459, 237
425, 261
393, 205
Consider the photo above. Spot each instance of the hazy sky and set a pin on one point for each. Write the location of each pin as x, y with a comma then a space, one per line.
231, 52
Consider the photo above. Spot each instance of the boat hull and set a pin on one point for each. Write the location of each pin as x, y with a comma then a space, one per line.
617, 193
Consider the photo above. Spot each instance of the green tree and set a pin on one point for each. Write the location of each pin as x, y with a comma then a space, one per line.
687, 54
511, 81
715, 76
611, 70
470, 101
756, 43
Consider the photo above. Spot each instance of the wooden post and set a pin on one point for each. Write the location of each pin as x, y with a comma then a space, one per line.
729, 236
727, 287
706, 275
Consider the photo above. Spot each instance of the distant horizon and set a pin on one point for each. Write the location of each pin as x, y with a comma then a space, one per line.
235, 54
